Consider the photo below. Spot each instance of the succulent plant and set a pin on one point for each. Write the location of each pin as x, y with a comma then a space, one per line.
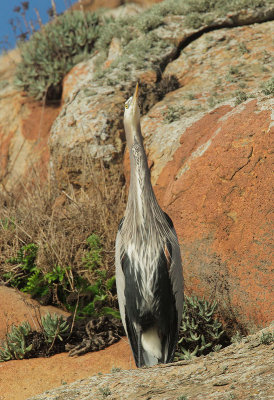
200, 332
55, 327
14, 347
53, 51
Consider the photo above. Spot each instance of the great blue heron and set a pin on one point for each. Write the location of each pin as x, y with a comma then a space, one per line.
148, 260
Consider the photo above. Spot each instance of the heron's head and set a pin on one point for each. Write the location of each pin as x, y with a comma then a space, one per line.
132, 116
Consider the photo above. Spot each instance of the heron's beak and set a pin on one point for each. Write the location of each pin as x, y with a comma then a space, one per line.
135, 96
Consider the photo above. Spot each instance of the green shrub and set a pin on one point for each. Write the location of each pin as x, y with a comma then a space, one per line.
240, 97
268, 87
105, 391
61, 281
25, 275
267, 338
93, 257
200, 332
237, 337
14, 347
53, 51
173, 113
28, 278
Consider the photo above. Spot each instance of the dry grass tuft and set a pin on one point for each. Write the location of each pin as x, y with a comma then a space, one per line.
59, 221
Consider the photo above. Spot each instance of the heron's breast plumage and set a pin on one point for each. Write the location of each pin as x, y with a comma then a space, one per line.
143, 258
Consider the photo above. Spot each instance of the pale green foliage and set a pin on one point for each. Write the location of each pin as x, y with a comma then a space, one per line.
237, 337
14, 347
240, 97
173, 113
267, 338
115, 369
268, 87
54, 326
105, 391
242, 48
200, 332
53, 51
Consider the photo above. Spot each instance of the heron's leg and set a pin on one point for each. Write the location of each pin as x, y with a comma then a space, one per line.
139, 349
139, 345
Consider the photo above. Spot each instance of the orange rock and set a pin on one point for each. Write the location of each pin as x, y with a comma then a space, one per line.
216, 189
92, 5
71, 79
17, 307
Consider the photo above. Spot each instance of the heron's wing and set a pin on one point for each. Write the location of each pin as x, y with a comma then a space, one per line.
120, 278
174, 265
120, 261
175, 271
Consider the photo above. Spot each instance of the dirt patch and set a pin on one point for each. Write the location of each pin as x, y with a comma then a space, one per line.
22, 379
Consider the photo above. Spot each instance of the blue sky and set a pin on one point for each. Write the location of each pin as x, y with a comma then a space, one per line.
7, 37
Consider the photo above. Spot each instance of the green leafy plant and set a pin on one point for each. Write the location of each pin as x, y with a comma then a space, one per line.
105, 391
240, 97
268, 87
237, 337
267, 338
200, 332
93, 257
35, 284
173, 113
25, 270
53, 51
100, 291
14, 347
55, 327
242, 48
28, 277
115, 369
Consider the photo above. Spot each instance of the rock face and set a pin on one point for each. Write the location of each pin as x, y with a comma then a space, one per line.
240, 371
222, 65
24, 129
89, 127
216, 189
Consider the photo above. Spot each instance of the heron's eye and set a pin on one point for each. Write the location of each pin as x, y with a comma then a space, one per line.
126, 105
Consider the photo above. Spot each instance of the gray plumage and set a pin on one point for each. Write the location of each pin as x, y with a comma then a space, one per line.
148, 260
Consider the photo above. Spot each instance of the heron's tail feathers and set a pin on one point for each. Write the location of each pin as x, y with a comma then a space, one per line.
152, 346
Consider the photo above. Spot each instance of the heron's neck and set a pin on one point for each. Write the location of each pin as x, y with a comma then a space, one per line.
141, 196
